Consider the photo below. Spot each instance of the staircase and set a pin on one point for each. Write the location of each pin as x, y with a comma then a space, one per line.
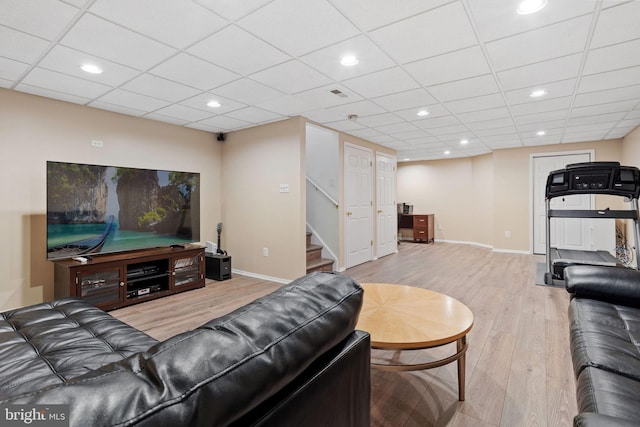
315, 262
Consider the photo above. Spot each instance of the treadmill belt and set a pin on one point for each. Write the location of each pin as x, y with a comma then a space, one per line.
572, 256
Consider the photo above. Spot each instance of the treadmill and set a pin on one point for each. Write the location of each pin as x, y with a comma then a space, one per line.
589, 178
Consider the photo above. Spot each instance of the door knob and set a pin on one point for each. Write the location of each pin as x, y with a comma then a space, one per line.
349, 214
379, 211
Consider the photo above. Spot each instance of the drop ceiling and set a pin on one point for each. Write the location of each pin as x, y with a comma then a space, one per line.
471, 64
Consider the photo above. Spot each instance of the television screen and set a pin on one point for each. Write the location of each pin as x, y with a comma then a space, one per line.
97, 209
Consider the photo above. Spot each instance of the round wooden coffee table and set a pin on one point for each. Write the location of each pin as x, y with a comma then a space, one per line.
400, 317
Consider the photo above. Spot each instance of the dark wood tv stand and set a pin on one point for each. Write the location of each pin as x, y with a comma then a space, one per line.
116, 280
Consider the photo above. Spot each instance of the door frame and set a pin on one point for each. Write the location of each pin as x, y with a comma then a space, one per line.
532, 156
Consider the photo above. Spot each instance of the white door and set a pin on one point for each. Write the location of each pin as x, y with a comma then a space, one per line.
566, 233
358, 203
387, 216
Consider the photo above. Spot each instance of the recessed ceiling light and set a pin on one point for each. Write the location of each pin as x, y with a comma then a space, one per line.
538, 93
423, 113
464, 141
90, 68
446, 153
540, 133
407, 159
530, 6
213, 104
349, 60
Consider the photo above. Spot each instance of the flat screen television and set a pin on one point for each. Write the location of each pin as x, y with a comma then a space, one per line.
100, 209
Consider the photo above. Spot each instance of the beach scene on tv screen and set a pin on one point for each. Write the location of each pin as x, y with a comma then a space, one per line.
99, 209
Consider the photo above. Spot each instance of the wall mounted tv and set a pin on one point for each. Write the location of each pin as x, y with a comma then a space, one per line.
99, 209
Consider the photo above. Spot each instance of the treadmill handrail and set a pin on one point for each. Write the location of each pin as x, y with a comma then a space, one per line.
602, 213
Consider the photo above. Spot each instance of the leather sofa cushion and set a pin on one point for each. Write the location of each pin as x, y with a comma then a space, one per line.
612, 284
609, 395
606, 336
217, 373
51, 343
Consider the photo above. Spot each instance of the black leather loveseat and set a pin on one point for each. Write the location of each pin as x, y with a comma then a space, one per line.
289, 358
604, 322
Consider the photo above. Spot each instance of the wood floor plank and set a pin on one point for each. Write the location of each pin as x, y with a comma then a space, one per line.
519, 369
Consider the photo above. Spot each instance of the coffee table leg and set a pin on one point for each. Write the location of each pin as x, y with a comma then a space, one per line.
460, 344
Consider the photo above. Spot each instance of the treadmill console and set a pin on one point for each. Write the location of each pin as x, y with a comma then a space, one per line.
594, 178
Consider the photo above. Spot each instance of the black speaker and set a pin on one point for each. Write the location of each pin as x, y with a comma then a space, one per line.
217, 267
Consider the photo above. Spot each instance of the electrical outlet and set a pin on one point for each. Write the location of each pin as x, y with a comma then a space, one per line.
97, 143
507, 234
265, 251
284, 188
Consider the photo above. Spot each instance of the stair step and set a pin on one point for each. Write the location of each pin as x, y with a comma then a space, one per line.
314, 252
308, 238
322, 264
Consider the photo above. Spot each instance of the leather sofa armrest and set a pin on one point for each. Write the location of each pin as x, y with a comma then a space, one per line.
612, 284
590, 419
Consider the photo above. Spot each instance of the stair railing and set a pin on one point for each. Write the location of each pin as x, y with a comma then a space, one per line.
324, 193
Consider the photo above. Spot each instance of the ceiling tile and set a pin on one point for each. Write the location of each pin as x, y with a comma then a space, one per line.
486, 125
11, 70
195, 72
484, 115
47, 93
117, 108
323, 97
279, 77
435, 122
59, 82
370, 58
183, 23
497, 131
613, 57
365, 133
68, 61
136, 101
254, 115
467, 88
413, 38
474, 104
160, 88
320, 22
248, 92
558, 69
350, 126
404, 100
362, 109
458, 65
232, 9
19, 46
200, 102
541, 106
617, 24
287, 105
115, 43
460, 130
185, 113
609, 80
497, 19
541, 117
619, 132
166, 119
235, 49
396, 128
606, 96
42, 19
381, 83
380, 120
225, 123
549, 126
370, 14
539, 44
604, 109
558, 89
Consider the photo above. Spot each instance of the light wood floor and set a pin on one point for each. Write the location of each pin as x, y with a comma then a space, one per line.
518, 364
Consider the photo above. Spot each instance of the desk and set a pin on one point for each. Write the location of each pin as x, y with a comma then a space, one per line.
422, 226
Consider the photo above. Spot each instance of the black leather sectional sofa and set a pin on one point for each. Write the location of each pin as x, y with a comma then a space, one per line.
289, 358
604, 316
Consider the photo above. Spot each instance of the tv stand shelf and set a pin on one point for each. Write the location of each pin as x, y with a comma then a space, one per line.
112, 281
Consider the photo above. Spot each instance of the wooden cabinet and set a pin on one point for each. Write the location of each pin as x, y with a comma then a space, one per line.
116, 280
421, 226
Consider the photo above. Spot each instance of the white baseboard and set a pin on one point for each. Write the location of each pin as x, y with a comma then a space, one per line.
261, 276
512, 251
461, 242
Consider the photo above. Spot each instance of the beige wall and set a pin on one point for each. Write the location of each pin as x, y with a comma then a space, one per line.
477, 199
256, 215
34, 130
